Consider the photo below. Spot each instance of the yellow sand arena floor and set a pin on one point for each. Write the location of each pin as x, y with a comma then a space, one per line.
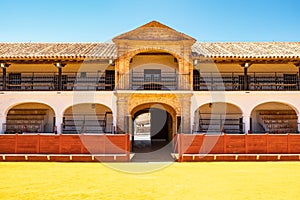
223, 180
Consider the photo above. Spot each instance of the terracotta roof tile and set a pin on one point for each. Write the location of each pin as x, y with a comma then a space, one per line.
56, 50
247, 49
109, 50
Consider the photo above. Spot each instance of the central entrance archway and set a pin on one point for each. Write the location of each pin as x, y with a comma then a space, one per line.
153, 131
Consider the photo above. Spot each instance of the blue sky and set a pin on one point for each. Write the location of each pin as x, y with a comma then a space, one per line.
100, 21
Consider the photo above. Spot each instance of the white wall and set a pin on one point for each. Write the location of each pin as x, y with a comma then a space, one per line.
58, 101
246, 101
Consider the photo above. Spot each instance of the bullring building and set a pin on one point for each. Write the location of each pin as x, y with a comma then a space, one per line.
183, 86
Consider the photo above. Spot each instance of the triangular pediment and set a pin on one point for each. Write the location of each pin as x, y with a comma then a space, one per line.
154, 31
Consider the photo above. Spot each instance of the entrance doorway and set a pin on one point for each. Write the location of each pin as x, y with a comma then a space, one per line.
152, 129
152, 133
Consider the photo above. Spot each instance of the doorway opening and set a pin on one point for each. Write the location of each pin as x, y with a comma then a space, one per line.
152, 129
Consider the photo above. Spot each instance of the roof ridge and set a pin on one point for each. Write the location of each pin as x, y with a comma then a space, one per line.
56, 43
247, 42
111, 43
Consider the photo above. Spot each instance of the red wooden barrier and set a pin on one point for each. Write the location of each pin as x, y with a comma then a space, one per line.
70, 144
93, 144
293, 143
256, 143
27, 144
49, 144
185, 145
277, 143
7, 143
238, 144
65, 144
215, 143
234, 144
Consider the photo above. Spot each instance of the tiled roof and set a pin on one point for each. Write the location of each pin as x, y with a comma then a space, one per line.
276, 50
57, 50
247, 49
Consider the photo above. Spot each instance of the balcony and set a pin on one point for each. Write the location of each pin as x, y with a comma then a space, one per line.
49, 82
276, 81
160, 81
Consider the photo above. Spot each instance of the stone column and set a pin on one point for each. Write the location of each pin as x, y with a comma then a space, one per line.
129, 125
246, 120
122, 115
123, 73
185, 102
188, 67
58, 124
2, 122
183, 75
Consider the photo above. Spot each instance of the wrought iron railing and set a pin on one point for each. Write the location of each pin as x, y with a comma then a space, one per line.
49, 81
217, 126
255, 81
86, 123
276, 81
164, 81
219, 122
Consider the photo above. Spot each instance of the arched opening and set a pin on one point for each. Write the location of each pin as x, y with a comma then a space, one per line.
30, 118
273, 117
153, 127
87, 118
218, 117
153, 70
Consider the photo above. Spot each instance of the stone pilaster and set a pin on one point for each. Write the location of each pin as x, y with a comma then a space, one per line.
122, 75
185, 102
122, 114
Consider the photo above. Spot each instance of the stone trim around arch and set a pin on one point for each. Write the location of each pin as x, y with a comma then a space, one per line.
180, 103
123, 60
171, 100
167, 107
130, 54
